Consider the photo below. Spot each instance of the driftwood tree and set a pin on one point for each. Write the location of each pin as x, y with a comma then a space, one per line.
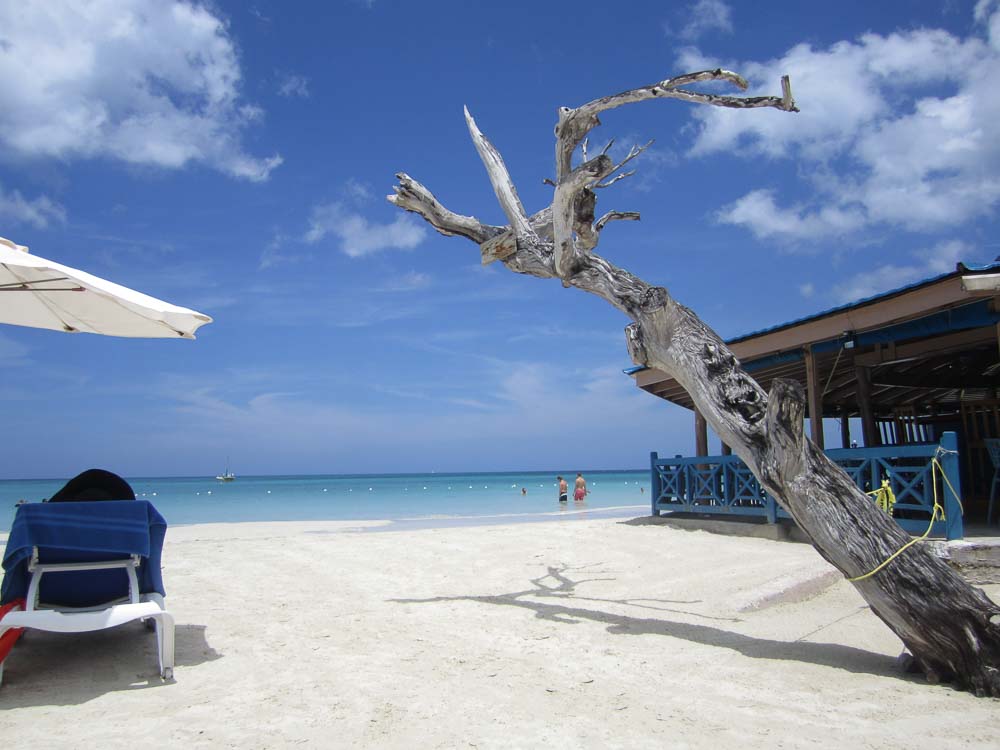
951, 628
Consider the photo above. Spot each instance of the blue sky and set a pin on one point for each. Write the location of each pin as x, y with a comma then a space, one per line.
234, 158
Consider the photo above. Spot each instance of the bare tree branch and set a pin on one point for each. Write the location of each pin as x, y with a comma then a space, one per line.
616, 216
503, 186
613, 180
575, 124
412, 196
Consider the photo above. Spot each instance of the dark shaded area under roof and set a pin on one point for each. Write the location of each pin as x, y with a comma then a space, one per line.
909, 363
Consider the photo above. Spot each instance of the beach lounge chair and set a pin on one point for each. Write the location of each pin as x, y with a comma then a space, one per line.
75, 566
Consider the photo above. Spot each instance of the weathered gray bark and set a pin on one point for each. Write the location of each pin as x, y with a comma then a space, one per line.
951, 628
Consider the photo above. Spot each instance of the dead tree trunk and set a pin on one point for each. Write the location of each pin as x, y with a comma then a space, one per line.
951, 628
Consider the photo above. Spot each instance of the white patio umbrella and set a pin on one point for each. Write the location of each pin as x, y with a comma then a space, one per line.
40, 293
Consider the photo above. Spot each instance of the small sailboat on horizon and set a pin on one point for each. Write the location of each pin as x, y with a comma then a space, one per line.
227, 475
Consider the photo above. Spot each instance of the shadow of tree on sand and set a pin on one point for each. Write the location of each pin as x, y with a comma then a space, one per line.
562, 587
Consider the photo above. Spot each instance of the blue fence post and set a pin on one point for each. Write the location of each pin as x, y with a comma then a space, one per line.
655, 487
954, 528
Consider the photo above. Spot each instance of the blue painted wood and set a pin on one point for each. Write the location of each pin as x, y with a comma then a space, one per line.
723, 485
952, 504
655, 485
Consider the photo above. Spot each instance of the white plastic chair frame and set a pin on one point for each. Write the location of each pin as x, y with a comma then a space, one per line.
135, 606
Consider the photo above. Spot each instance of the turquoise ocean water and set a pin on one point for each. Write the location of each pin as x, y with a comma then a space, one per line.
433, 499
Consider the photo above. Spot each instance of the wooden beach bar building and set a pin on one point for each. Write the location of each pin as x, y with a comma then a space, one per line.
910, 376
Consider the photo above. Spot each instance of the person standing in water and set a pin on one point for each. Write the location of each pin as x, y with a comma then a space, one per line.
581, 487
563, 490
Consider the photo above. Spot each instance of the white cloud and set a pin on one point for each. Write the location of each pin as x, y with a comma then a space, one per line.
907, 157
13, 353
142, 81
294, 86
408, 282
274, 253
357, 235
357, 191
700, 18
758, 212
38, 212
940, 259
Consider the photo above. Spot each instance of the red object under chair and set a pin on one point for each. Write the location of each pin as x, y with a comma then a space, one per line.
8, 639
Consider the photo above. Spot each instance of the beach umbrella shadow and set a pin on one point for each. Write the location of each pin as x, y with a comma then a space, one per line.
62, 669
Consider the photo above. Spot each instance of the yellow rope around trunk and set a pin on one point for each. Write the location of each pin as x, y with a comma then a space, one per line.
885, 499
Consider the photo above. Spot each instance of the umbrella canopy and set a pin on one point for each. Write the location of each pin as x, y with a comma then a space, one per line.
40, 293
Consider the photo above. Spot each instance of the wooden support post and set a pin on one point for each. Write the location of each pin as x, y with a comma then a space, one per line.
869, 428
726, 450
654, 485
954, 528
815, 398
700, 434
845, 429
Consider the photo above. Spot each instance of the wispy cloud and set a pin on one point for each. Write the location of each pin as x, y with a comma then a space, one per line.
13, 353
358, 236
759, 212
700, 18
357, 191
888, 152
293, 86
37, 212
495, 405
942, 258
256, 13
274, 253
146, 82
407, 282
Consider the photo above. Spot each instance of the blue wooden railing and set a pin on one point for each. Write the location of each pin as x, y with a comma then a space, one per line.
724, 486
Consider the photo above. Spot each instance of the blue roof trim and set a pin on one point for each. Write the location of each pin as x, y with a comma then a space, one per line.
960, 269
634, 370
773, 359
975, 315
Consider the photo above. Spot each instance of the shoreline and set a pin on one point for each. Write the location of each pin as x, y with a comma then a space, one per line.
414, 523
560, 635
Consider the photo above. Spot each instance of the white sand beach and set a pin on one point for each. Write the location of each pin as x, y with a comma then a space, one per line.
583, 634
